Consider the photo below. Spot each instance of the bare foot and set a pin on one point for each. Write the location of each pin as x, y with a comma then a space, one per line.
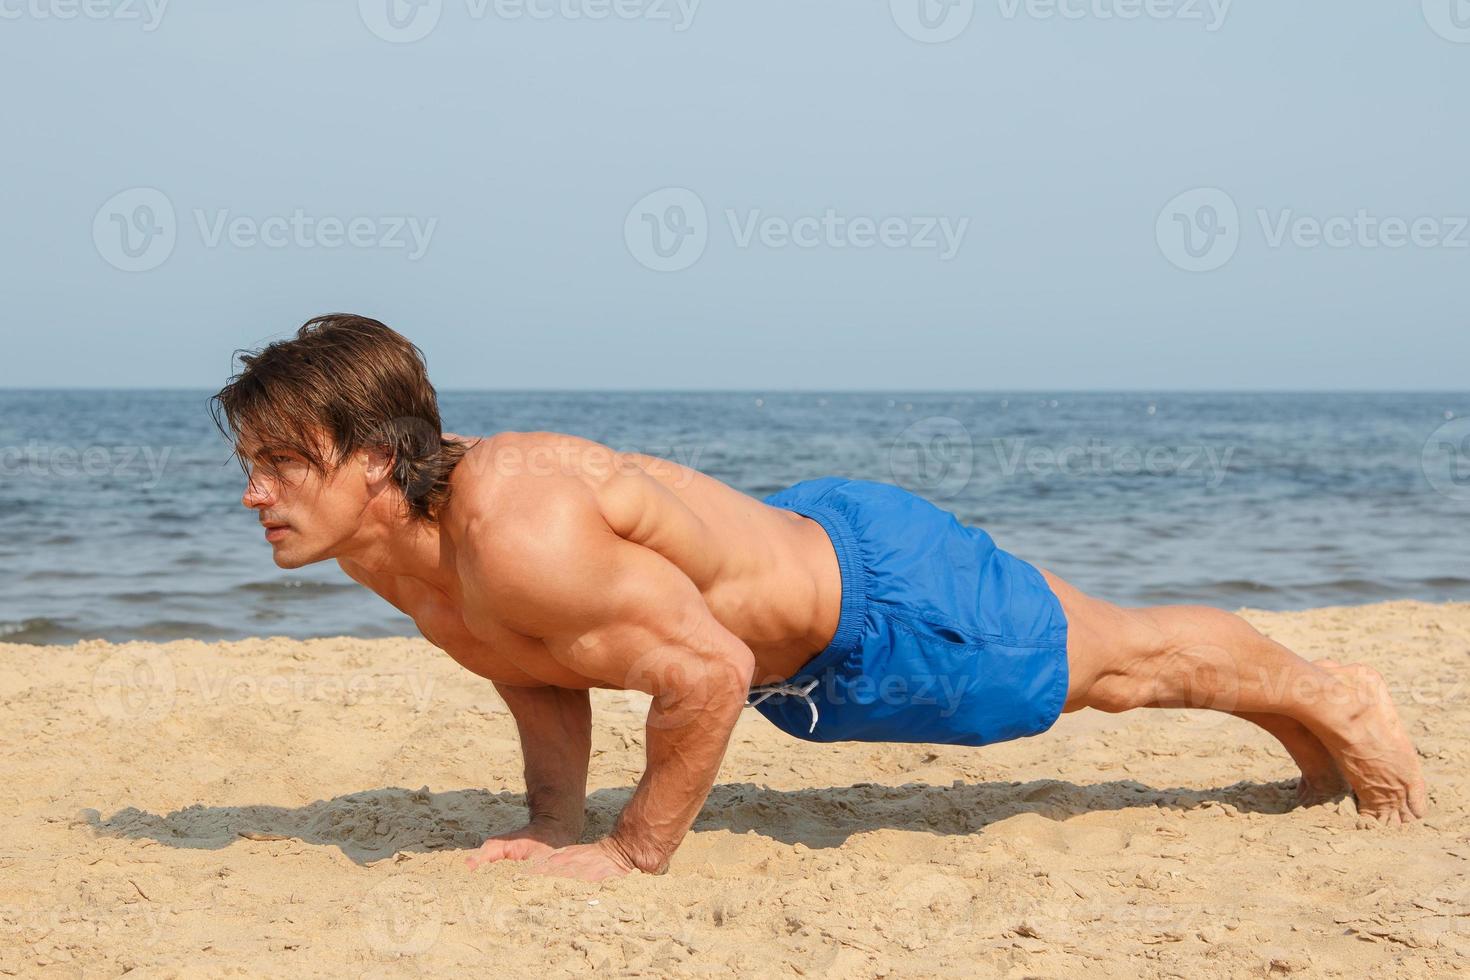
1374, 751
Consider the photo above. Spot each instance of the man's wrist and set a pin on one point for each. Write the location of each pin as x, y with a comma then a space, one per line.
633, 853
561, 829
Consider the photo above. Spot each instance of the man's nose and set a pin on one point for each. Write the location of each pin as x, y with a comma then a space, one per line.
257, 494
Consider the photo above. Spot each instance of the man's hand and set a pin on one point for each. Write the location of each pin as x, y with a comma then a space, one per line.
537, 839
584, 862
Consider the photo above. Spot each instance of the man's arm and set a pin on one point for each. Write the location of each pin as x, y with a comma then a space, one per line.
619, 613
555, 726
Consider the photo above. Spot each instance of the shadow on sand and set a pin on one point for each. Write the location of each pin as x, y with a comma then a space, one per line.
375, 824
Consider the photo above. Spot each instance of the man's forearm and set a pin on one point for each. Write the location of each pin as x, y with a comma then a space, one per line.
555, 726
687, 735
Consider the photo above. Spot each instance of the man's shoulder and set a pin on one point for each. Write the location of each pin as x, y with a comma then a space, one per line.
525, 541
531, 459
524, 496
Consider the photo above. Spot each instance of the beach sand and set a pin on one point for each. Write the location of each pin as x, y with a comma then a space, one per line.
280, 807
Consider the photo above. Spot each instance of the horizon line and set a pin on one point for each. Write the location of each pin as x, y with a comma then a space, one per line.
818, 391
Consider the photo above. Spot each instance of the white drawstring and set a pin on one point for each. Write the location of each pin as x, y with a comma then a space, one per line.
803, 691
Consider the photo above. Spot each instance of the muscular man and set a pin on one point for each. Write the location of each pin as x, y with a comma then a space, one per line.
842, 609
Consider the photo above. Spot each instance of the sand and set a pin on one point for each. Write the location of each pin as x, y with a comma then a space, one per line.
273, 807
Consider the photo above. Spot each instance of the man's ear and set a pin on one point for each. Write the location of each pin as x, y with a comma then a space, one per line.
377, 463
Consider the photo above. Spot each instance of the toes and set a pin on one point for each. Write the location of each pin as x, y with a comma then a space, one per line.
1418, 802
1396, 814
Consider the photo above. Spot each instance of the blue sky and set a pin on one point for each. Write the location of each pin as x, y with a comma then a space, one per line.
1060, 194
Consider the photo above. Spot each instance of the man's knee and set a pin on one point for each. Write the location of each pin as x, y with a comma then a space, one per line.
1129, 643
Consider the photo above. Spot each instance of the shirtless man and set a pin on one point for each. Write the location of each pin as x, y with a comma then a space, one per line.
842, 609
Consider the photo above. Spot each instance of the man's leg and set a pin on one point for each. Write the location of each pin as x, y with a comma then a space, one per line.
1196, 656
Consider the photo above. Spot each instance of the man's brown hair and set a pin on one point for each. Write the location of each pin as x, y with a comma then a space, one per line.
362, 383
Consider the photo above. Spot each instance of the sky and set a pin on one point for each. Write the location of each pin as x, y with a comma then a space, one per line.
754, 195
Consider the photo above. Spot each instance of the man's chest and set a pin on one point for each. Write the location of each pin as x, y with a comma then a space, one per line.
496, 653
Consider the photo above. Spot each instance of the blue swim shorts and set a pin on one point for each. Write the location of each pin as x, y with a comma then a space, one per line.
942, 636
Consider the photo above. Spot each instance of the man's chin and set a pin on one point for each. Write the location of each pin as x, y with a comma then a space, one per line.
288, 558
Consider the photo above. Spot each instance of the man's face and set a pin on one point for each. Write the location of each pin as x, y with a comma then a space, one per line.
307, 517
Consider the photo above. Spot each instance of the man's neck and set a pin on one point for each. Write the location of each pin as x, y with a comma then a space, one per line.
391, 544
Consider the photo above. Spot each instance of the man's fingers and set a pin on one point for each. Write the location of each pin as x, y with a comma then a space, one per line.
512, 849
490, 851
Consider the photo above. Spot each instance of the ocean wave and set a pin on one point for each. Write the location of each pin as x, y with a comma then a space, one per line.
59, 575
1444, 582
297, 587
38, 629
